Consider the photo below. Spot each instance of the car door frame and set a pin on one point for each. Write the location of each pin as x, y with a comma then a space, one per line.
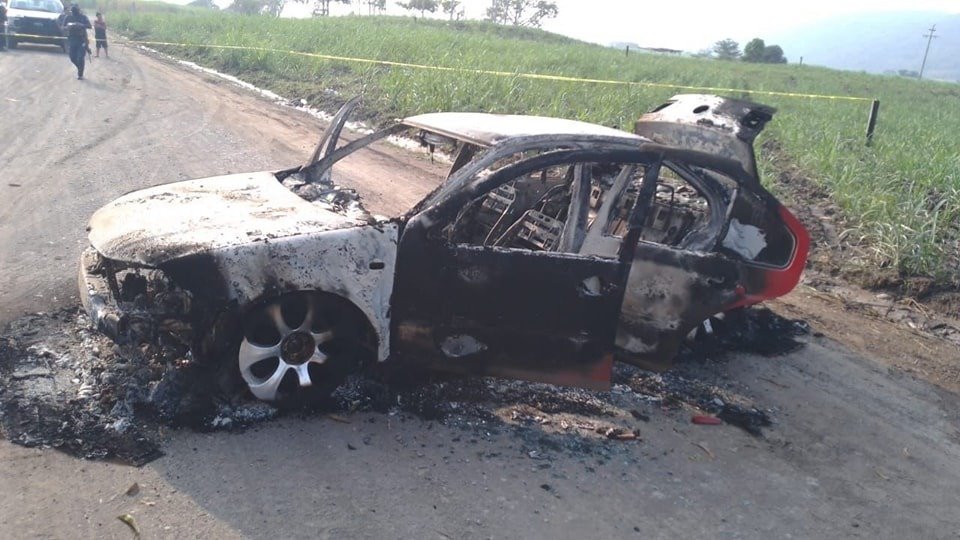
442, 313
674, 289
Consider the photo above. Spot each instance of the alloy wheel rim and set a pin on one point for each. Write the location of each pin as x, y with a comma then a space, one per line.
296, 350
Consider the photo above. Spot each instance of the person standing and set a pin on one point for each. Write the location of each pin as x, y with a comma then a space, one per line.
76, 24
100, 34
61, 19
3, 26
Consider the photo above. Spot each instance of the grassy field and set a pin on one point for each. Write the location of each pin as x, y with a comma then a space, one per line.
901, 196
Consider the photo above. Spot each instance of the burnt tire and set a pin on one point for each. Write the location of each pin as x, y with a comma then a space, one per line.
298, 348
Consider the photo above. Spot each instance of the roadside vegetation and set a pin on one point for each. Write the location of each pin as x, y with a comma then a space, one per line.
900, 197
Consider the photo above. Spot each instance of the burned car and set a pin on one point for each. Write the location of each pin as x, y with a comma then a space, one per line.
549, 248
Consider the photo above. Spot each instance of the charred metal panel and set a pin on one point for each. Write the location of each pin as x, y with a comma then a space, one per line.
167, 222
669, 292
490, 129
357, 264
234, 240
493, 311
597, 241
711, 124
574, 230
328, 142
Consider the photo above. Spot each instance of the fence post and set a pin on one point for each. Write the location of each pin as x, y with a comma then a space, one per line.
626, 52
872, 120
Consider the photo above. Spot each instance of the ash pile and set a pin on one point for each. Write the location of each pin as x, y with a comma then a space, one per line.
65, 386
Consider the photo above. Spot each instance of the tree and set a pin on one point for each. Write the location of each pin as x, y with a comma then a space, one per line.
726, 49
376, 6
422, 6
274, 7
521, 12
246, 7
753, 51
773, 54
321, 8
206, 4
450, 7
759, 52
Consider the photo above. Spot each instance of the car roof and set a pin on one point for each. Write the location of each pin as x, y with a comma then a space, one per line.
486, 129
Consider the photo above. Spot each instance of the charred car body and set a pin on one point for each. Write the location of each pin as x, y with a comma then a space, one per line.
550, 247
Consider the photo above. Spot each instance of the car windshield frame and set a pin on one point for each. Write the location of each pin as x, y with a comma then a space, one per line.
485, 157
46, 6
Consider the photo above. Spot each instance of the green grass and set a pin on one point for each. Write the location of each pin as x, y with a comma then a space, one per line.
901, 196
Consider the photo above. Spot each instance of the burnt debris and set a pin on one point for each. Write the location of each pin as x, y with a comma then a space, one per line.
755, 330
68, 387
326, 194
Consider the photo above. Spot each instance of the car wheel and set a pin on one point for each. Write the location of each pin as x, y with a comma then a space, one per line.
300, 345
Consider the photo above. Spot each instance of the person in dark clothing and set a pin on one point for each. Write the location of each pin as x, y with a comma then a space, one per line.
100, 34
63, 17
3, 25
75, 25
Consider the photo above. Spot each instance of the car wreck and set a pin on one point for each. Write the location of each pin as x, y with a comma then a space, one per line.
550, 248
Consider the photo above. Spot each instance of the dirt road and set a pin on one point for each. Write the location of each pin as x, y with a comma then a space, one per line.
859, 447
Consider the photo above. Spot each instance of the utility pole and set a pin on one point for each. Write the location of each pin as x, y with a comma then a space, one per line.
929, 37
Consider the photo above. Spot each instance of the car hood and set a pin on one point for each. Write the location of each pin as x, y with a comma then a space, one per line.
162, 223
11, 13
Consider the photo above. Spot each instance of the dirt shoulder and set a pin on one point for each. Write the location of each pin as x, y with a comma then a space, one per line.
911, 323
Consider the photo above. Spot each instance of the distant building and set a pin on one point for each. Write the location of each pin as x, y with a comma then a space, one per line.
661, 50
650, 50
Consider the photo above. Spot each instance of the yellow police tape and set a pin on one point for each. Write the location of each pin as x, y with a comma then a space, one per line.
535, 76
33, 36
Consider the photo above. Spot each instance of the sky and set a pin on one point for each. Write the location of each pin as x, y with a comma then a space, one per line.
689, 25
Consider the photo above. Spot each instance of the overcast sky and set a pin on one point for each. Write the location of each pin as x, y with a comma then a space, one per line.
684, 24
693, 25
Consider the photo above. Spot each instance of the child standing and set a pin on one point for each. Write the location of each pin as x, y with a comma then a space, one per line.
100, 34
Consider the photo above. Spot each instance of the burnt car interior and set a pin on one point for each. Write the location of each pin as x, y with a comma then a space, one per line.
534, 212
689, 211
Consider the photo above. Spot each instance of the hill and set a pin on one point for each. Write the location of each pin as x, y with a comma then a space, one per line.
879, 42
